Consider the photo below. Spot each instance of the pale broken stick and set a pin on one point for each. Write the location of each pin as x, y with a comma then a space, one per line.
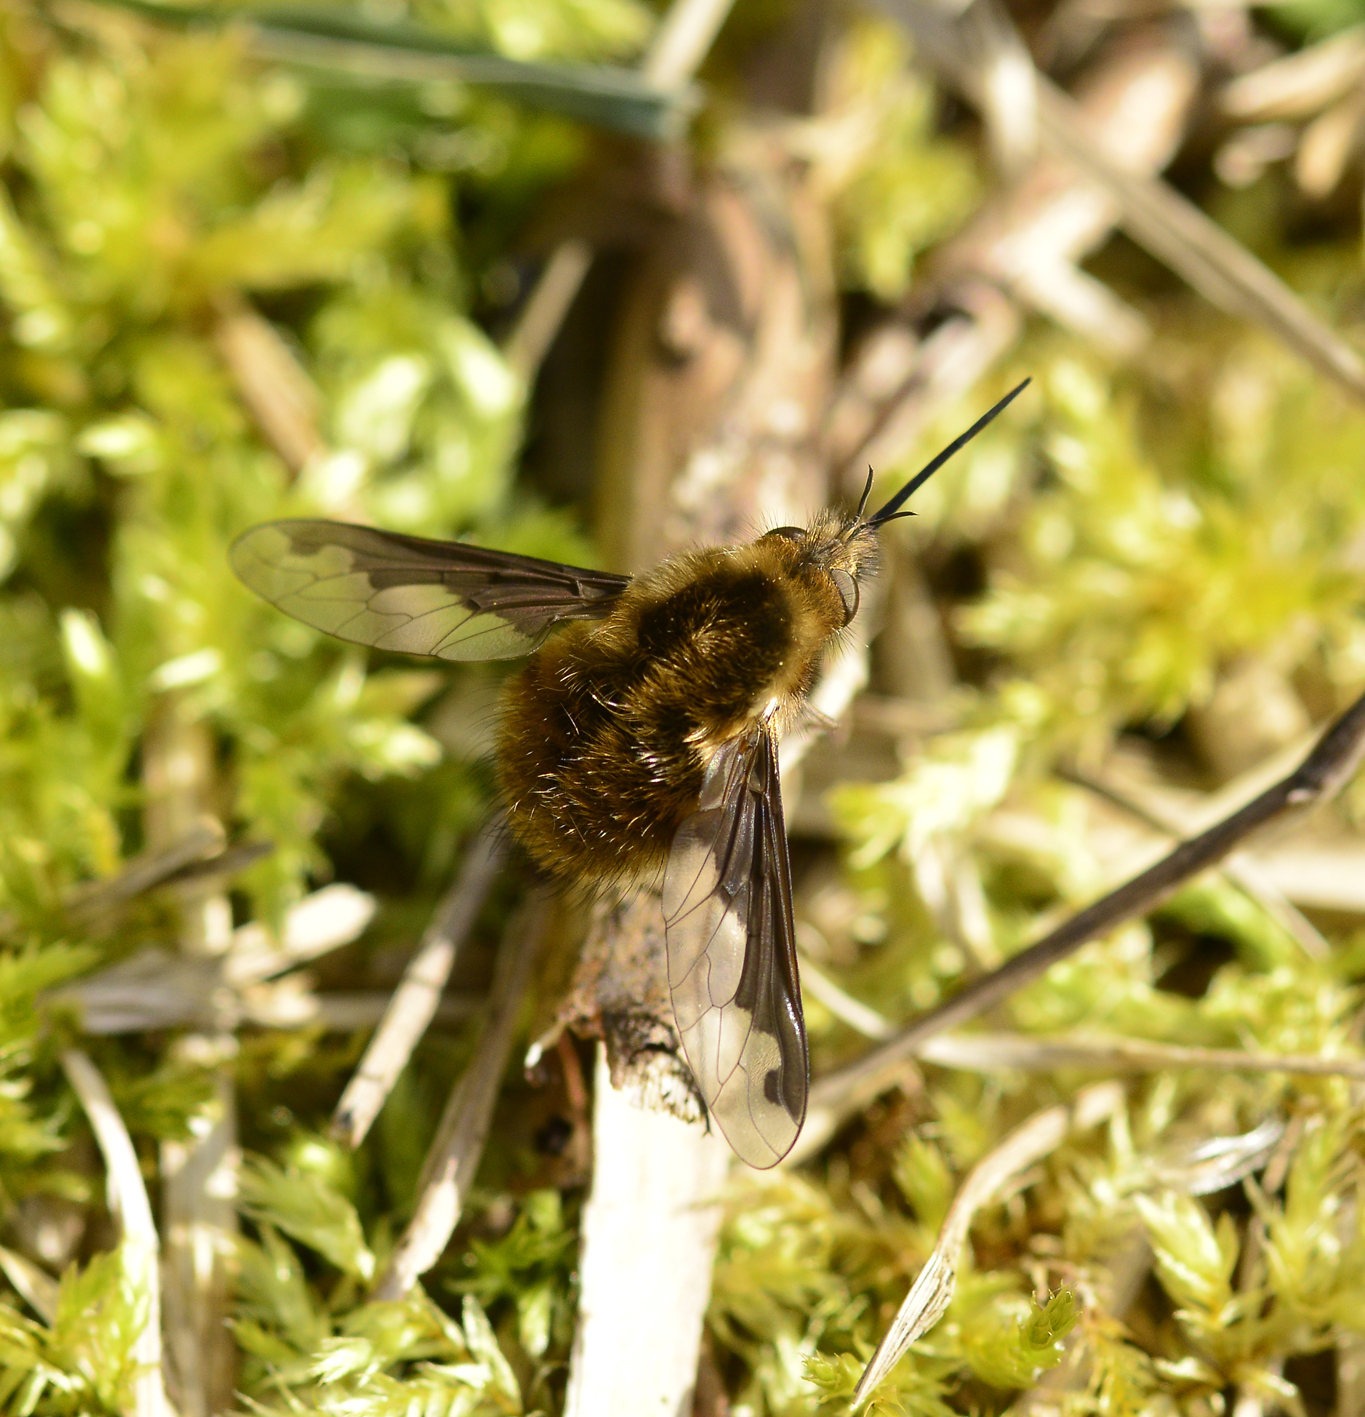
130, 1206
456, 1150
840, 1094
624, 1360
415, 1001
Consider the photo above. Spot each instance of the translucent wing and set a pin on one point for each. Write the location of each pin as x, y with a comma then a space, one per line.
398, 592
732, 953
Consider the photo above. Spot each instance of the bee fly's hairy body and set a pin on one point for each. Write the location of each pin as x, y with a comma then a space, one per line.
640, 737
607, 733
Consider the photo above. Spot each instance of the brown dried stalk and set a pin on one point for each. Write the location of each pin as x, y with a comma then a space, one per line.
681, 42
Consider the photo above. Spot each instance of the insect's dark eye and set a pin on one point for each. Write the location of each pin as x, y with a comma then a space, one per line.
847, 587
791, 533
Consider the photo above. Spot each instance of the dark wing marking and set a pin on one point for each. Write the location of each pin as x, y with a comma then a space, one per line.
397, 592
732, 953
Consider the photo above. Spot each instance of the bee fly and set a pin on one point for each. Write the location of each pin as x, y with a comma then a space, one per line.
643, 734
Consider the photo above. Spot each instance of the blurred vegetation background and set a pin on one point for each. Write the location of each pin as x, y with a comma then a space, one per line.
260, 263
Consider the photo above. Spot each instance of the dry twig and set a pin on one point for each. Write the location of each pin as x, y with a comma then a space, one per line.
1322, 773
1238, 867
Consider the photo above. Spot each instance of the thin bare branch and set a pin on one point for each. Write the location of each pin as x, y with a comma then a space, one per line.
149, 869
1322, 773
217, 868
416, 999
457, 1148
90, 905
1238, 867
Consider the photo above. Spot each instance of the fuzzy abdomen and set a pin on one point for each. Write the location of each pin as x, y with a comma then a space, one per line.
606, 733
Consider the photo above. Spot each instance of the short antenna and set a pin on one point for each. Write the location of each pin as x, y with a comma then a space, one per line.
893, 507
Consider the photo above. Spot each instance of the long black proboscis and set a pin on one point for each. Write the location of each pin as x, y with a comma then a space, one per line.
929, 469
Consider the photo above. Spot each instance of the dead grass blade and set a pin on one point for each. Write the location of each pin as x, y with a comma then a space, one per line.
933, 1288
457, 1148
415, 1001
129, 1204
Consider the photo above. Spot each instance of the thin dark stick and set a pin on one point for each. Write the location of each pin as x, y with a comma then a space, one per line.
1321, 774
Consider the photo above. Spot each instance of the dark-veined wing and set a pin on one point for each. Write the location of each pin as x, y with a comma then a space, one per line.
397, 592
732, 953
